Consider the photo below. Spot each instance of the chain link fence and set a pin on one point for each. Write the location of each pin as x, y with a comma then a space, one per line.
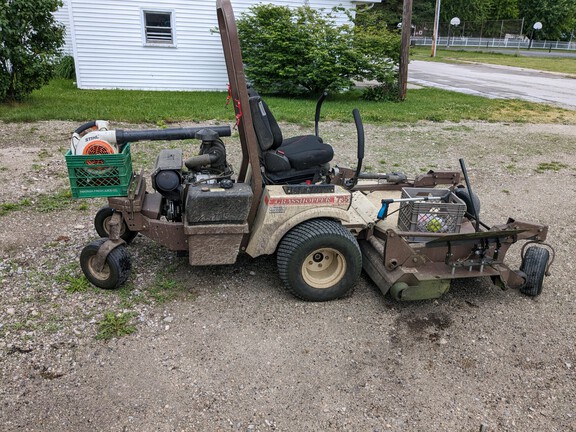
514, 33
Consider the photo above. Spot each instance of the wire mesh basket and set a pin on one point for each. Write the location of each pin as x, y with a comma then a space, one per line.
434, 216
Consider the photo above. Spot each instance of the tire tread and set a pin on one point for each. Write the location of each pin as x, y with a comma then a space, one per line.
302, 233
534, 266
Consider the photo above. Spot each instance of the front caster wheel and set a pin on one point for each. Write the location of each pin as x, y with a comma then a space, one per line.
319, 260
116, 269
534, 265
102, 225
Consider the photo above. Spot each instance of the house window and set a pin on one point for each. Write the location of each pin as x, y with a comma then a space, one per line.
158, 28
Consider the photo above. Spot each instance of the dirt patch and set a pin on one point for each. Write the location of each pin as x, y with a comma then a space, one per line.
224, 348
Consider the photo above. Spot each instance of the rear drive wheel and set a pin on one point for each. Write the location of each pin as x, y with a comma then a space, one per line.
102, 225
534, 265
319, 260
116, 268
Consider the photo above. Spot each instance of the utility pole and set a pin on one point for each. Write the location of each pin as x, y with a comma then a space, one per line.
436, 24
405, 48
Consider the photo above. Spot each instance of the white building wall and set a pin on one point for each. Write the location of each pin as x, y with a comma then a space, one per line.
110, 52
62, 15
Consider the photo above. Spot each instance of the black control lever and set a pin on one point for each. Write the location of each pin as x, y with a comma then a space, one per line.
360, 132
323, 96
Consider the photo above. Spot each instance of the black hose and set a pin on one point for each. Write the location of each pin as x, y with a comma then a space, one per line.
84, 127
125, 136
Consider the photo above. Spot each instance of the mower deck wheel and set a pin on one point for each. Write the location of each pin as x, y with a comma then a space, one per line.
116, 269
534, 265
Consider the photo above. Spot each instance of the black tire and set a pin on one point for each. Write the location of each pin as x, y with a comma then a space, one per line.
464, 195
534, 265
116, 269
319, 260
101, 221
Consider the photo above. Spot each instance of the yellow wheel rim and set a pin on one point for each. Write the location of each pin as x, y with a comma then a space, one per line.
323, 268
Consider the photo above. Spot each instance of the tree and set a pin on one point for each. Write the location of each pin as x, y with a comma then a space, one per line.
302, 50
389, 13
466, 10
557, 16
502, 9
30, 40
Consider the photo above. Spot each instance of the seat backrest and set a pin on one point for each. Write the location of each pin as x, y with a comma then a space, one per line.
266, 127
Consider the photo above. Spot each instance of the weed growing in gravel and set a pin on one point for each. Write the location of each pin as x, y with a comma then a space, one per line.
550, 166
43, 203
5, 208
115, 325
128, 296
58, 201
167, 287
71, 280
43, 154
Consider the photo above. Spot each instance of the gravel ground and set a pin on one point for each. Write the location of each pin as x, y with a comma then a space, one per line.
225, 348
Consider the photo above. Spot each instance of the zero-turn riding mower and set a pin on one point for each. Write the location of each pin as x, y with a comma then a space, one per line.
324, 224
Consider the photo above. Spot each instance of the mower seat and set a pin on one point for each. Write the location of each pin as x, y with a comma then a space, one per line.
293, 160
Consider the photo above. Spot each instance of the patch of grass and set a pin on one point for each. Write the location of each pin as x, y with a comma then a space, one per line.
71, 279
511, 168
166, 286
550, 166
550, 64
6, 208
55, 202
60, 100
115, 325
43, 154
44, 203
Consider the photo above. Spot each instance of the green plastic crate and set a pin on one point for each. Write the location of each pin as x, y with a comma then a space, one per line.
93, 176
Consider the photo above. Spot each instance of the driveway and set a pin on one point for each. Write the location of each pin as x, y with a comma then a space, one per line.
496, 82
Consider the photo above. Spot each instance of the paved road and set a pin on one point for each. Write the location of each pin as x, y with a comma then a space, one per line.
520, 52
496, 82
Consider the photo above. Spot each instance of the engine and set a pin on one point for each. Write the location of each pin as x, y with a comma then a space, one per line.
208, 167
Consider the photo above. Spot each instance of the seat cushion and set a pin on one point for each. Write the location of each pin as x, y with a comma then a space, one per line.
306, 151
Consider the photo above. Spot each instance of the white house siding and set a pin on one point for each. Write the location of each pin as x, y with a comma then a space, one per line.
110, 53
62, 15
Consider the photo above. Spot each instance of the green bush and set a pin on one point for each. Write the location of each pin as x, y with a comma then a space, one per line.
293, 51
29, 42
382, 92
65, 68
